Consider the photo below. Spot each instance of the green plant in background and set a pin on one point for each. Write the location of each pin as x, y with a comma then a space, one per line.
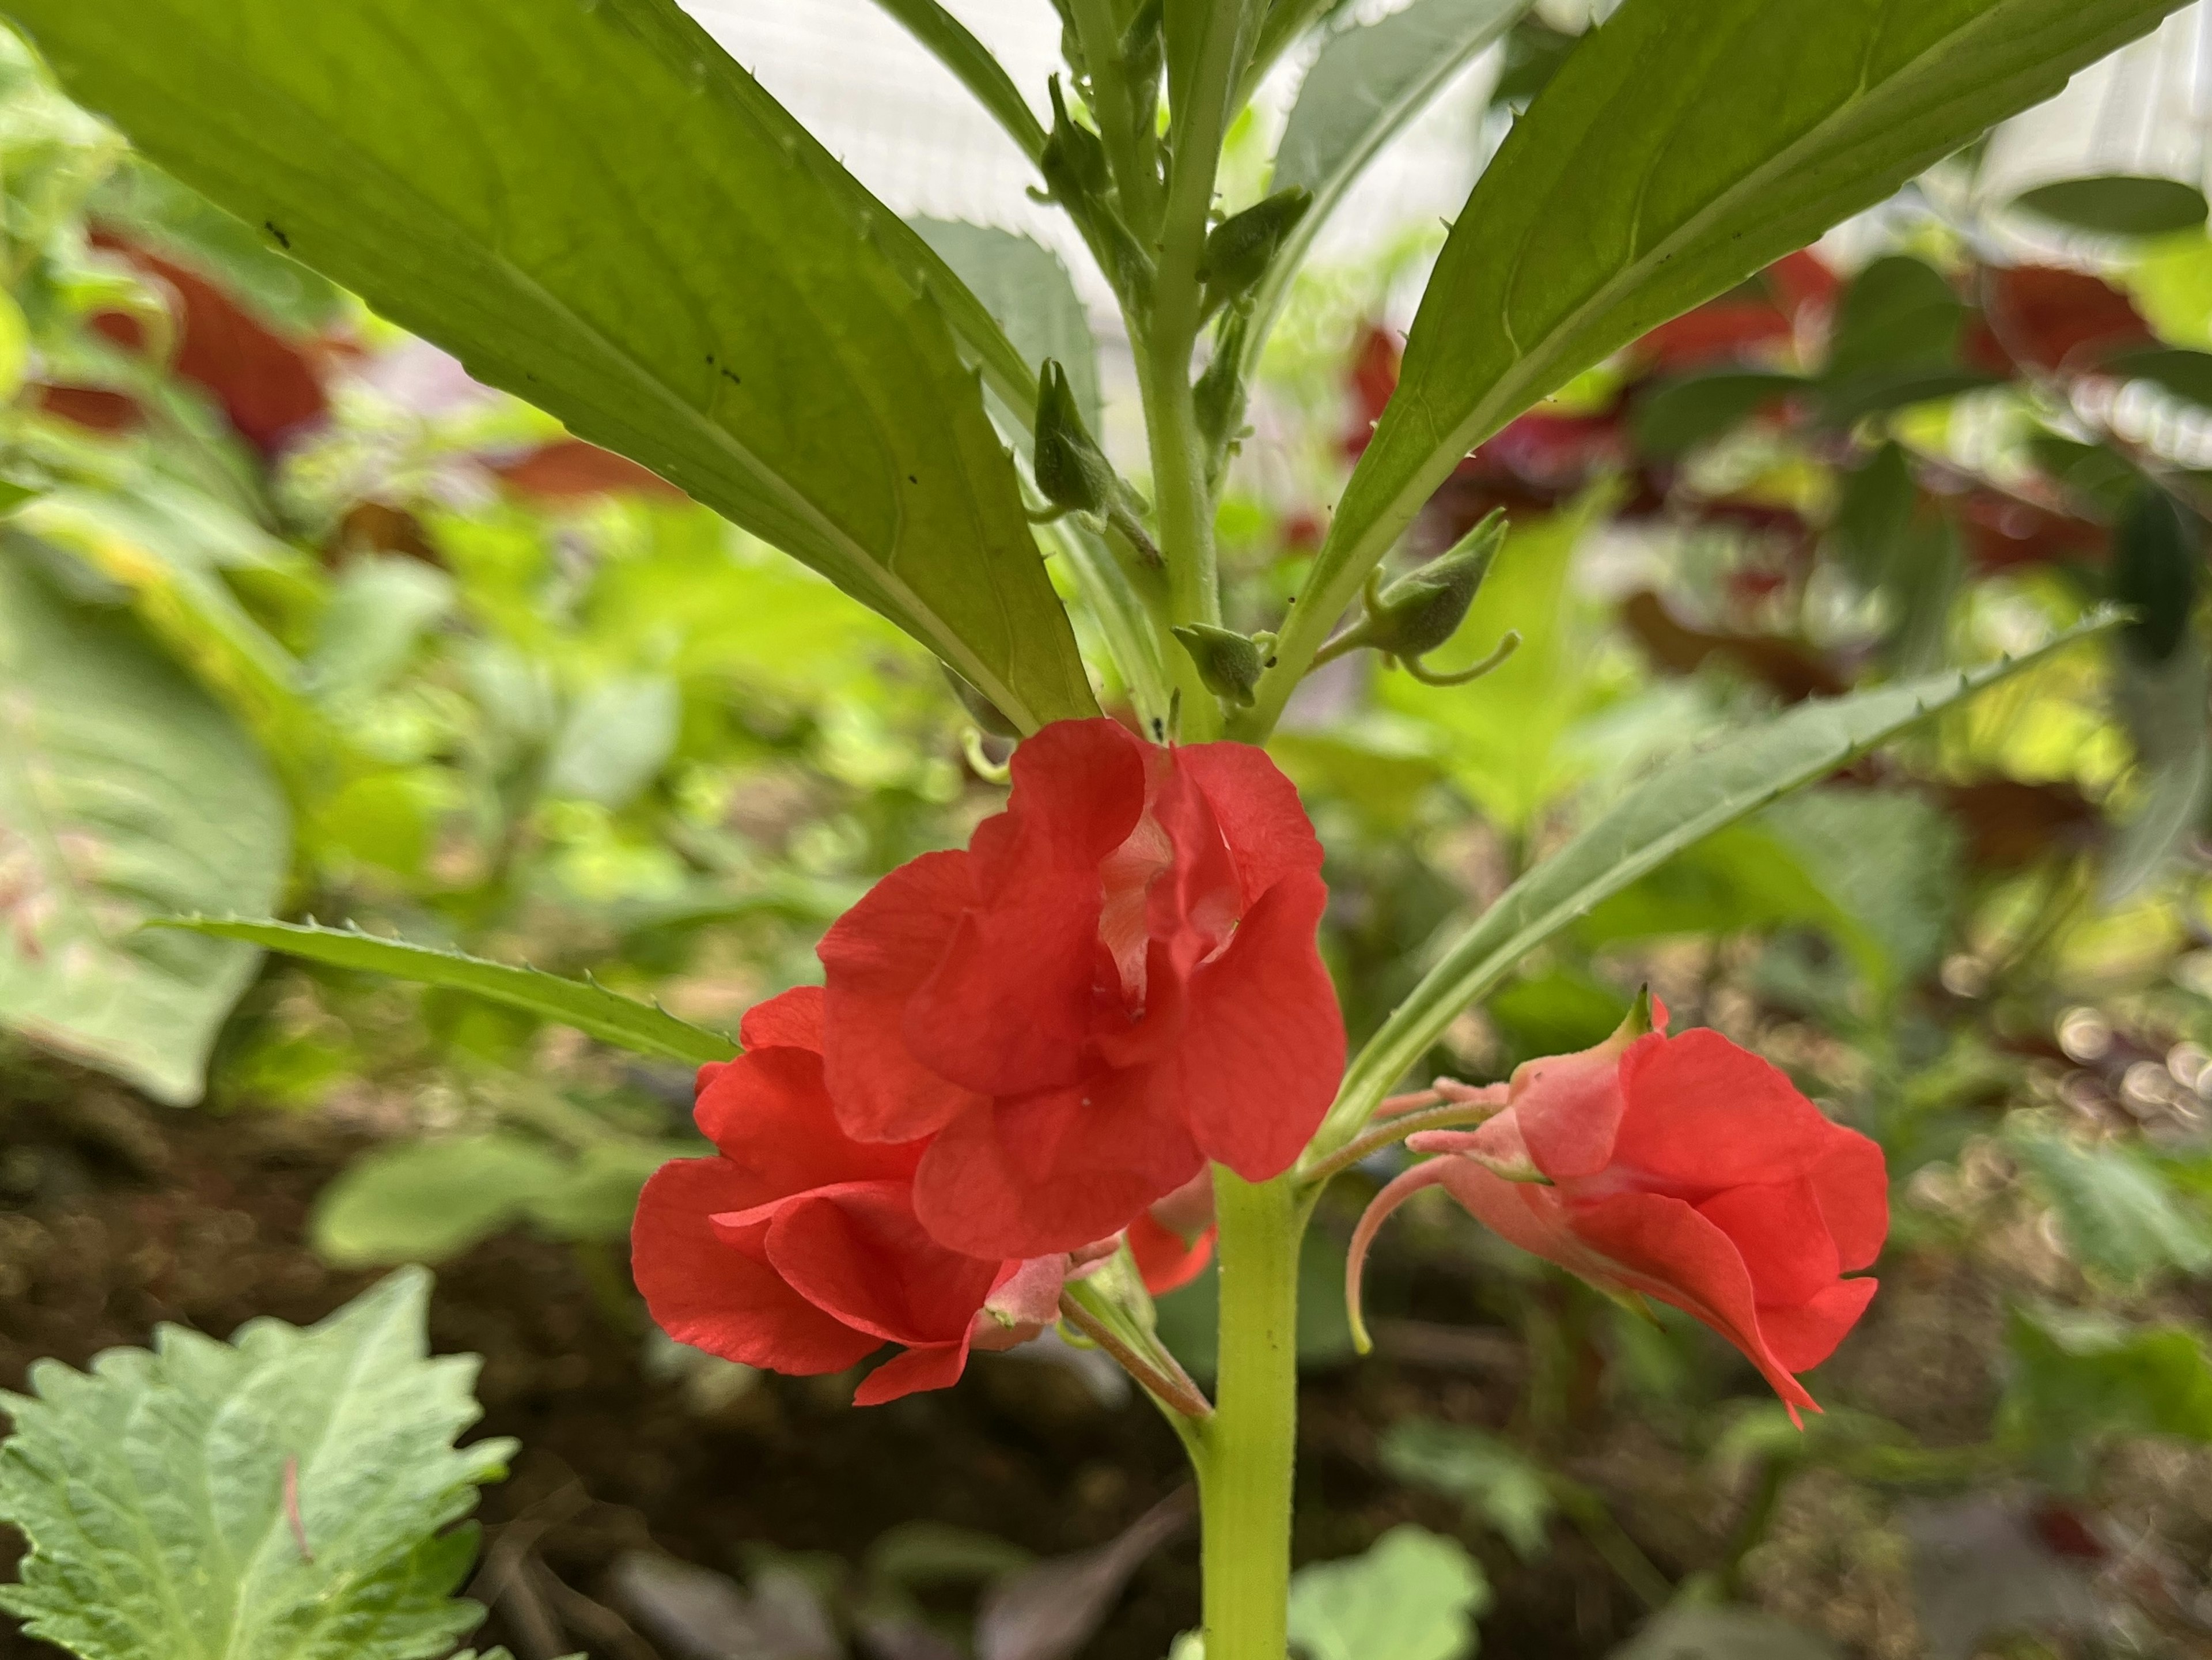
452, 726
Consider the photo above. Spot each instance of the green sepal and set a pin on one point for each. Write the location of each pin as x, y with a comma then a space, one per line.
1071, 472
1423, 609
1228, 662
1074, 159
1239, 250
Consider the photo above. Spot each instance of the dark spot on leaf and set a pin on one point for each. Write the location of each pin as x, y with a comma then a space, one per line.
285, 241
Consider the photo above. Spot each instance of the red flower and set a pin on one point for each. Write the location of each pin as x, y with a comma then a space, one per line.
1684, 1169
1115, 983
797, 1249
1173, 1241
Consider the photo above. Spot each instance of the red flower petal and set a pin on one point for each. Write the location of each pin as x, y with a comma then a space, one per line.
1165, 1259
1263, 1040
714, 1298
1663, 1247
1852, 1182
877, 956
1801, 1337
768, 1113
936, 1367
792, 1019
1053, 1172
1777, 1228
1567, 1109
1258, 810
1705, 1114
856, 1251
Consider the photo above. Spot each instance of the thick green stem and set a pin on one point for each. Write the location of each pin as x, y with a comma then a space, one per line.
1185, 508
1244, 1471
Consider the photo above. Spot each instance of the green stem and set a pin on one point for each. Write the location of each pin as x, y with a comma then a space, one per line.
1125, 130
1244, 1472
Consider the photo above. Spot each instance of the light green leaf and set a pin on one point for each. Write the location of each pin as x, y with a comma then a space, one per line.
599, 211
1024, 287
1691, 798
1888, 862
427, 1201
1413, 1595
615, 741
597, 1194
1696, 144
2077, 1377
154, 1492
1364, 89
379, 609
589, 1007
1493, 1479
2119, 1212
124, 793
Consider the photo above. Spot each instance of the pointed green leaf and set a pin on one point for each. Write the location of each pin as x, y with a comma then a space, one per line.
1688, 801
1364, 89
166, 1495
124, 792
1678, 150
595, 208
591, 1008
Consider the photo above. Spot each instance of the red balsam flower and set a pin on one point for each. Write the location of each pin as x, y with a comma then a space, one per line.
1116, 981
797, 1249
1684, 1169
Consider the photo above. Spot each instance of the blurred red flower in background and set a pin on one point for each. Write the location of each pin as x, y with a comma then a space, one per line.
1117, 980
1684, 1169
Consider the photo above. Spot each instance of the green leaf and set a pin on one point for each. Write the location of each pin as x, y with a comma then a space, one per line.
1365, 87
2183, 373
380, 608
1696, 145
1702, 1633
598, 211
616, 740
1493, 1479
1690, 799
589, 1007
1898, 312
2117, 1209
2077, 1377
2118, 204
154, 1492
1413, 1595
1680, 415
1027, 290
124, 793
987, 81
427, 1201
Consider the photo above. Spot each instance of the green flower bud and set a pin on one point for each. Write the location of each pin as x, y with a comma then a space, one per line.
1144, 45
1074, 161
1239, 250
1424, 608
1228, 662
1072, 473
1219, 397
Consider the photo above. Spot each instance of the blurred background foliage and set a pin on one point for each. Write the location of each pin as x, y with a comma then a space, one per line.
296, 619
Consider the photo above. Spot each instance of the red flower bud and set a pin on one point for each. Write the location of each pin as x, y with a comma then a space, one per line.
1116, 981
1684, 1169
1173, 1241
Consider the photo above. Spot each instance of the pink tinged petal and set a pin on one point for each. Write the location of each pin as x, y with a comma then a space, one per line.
792, 1019
1028, 1293
876, 957
1705, 1114
1258, 811
1852, 1181
1497, 1146
769, 1114
936, 1366
857, 1252
1567, 1109
1664, 1249
704, 1294
1010, 1000
1778, 1230
1801, 1337
1053, 1172
1262, 1048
